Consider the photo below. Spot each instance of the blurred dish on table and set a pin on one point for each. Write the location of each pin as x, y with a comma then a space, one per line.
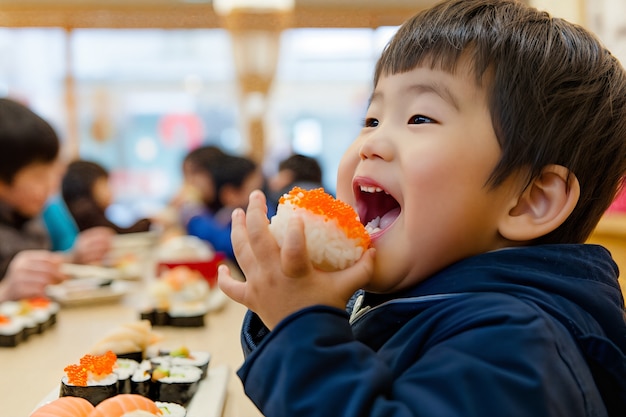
86, 291
91, 271
130, 252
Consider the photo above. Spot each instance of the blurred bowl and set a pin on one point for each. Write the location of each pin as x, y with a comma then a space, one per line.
187, 248
207, 268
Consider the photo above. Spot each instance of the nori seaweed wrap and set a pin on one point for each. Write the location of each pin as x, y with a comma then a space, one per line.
95, 394
177, 384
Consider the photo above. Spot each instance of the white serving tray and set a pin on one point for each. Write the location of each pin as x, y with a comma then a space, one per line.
208, 401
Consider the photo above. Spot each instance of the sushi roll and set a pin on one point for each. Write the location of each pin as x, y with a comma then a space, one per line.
124, 369
65, 407
184, 357
43, 310
176, 384
187, 314
92, 379
11, 331
140, 380
171, 409
178, 298
335, 237
156, 316
126, 405
19, 310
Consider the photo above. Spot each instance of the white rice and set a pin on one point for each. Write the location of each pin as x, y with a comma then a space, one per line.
171, 409
328, 246
96, 381
125, 367
182, 374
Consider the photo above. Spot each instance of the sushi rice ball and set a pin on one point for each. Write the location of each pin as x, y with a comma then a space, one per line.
335, 237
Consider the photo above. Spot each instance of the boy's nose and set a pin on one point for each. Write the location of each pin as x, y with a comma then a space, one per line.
376, 145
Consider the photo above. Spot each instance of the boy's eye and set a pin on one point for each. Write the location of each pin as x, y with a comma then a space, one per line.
370, 122
419, 119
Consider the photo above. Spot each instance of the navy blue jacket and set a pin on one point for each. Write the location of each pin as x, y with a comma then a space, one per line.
535, 331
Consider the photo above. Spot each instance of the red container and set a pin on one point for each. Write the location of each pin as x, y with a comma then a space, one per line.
208, 269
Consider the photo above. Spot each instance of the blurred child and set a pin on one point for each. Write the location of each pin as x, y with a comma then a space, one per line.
230, 179
198, 190
296, 170
29, 176
87, 194
494, 140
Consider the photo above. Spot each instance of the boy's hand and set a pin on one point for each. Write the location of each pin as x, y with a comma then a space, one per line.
29, 273
92, 245
279, 281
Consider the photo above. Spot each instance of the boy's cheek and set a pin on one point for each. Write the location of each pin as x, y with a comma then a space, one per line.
345, 174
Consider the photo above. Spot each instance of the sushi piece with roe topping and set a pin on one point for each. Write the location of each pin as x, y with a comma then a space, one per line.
92, 378
335, 237
97, 366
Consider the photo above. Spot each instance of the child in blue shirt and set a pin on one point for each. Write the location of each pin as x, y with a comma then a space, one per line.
232, 178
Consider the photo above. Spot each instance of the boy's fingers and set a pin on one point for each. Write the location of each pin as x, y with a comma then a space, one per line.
294, 257
357, 276
239, 238
230, 286
262, 242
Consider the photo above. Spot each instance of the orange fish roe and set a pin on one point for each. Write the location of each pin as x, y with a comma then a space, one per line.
94, 365
319, 202
39, 302
179, 276
4, 319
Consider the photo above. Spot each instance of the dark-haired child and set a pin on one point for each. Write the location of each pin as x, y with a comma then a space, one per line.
494, 141
30, 173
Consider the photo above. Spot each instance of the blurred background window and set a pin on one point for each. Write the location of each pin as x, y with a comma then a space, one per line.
145, 97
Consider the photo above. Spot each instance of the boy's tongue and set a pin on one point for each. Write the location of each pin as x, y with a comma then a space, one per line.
381, 223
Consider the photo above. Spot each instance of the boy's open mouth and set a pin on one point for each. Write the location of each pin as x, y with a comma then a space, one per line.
377, 209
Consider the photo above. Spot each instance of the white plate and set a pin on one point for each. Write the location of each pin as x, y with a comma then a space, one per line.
208, 401
87, 291
91, 271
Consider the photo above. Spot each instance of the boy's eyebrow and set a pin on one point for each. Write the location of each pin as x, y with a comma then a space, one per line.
436, 88
421, 88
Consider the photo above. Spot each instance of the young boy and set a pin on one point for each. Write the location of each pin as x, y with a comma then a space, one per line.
494, 140
29, 174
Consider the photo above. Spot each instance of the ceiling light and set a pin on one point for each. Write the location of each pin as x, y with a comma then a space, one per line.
225, 7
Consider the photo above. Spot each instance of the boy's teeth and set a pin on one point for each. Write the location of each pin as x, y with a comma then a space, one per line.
371, 189
372, 226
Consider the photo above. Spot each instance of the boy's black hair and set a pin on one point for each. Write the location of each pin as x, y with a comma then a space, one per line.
80, 178
25, 138
555, 94
304, 168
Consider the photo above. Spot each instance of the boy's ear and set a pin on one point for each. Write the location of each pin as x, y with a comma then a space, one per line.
543, 205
